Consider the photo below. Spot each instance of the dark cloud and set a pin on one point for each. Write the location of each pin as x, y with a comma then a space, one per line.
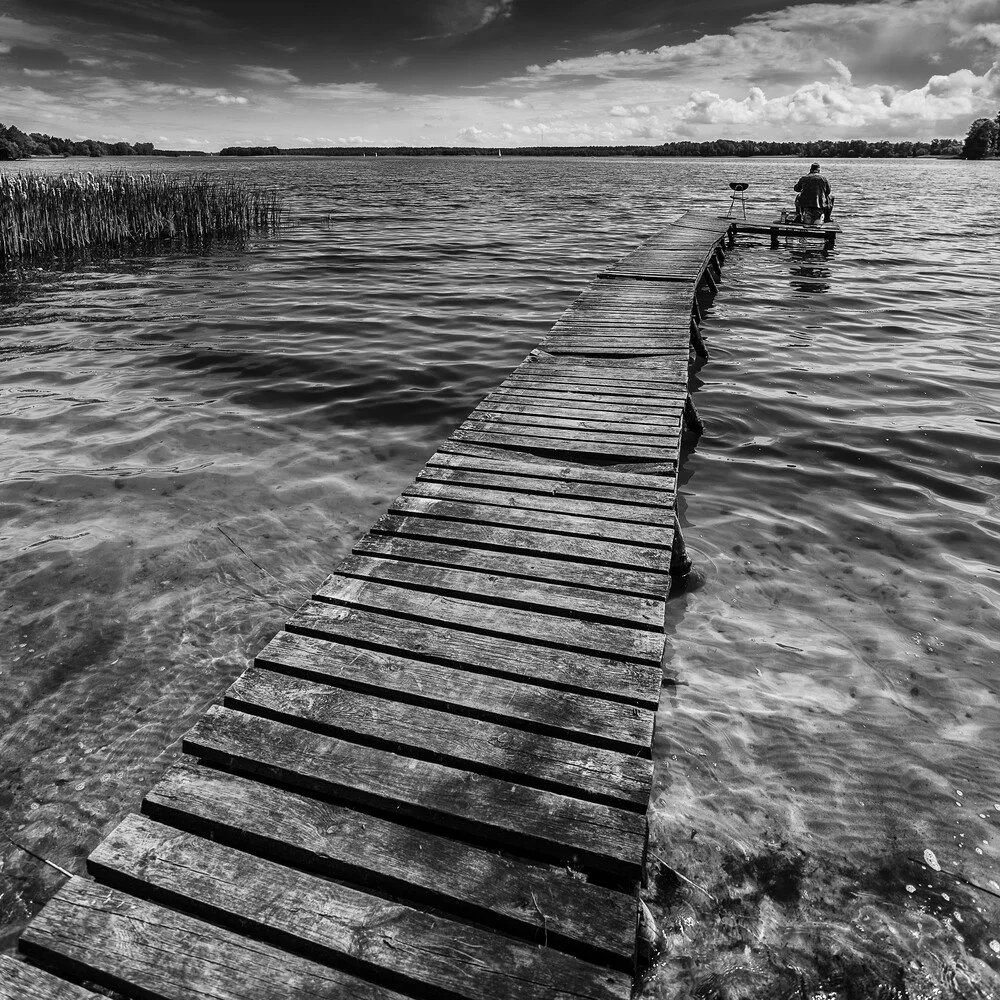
29, 57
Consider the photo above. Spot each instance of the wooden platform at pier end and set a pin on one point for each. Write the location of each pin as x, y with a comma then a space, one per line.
433, 783
776, 229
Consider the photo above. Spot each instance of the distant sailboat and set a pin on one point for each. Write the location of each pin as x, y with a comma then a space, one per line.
499, 153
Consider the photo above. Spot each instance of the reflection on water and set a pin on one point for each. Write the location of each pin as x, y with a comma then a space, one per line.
192, 442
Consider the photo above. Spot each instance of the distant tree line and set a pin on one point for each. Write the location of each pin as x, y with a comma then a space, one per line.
983, 139
17, 145
716, 147
982, 142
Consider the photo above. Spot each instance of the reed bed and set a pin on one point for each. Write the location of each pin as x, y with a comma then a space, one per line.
45, 215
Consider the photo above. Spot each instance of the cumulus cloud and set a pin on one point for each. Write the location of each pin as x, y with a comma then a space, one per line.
822, 105
229, 99
471, 134
637, 111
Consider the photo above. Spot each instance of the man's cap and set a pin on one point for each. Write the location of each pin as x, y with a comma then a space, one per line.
814, 167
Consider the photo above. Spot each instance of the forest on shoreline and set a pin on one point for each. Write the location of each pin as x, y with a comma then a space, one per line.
981, 142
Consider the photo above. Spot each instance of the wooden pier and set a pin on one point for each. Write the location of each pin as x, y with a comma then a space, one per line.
433, 783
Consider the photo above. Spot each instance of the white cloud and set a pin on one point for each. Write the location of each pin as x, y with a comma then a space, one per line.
637, 111
340, 92
267, 75
840, 104
471, 134
229, 99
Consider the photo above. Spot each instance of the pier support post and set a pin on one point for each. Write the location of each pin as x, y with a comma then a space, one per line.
829, 241
711, 280
691, 418
680, 563
697, 341
774, 237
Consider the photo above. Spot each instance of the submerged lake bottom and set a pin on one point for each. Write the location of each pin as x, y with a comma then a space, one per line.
193, 441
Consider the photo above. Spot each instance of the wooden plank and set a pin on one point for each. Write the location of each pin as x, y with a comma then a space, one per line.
584, 445
642, 315
592, 372
607, 563
653, 399
593, 676
528, 563
530, 465
622, 346
644, 538
592, 402
545, 595
643, 467
607, 351
487, 417
621, 641
664, 371
368, 935
624, 287
627, 421
528, 821
474, 745
142, 949
20, 981
334, 841
599, 390
470, 473
556, 503
590, 720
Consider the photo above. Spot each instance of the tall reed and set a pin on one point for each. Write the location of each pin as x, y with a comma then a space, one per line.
45, 215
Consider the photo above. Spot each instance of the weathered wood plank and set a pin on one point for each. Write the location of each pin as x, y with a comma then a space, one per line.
20, 981
610, 565
470, 552
584, 381
368, 935
583, 445
631, 683
645, 538
474, 745
335, 841
489, 416
619, 345
604, 351
570, 397
503, 478
498, 588
528, 465
513, 817
664, 370
142, 949
536, 500
487, 421
590, 720
622, 418
545, 629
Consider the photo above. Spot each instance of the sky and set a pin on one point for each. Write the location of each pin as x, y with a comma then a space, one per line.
296, 73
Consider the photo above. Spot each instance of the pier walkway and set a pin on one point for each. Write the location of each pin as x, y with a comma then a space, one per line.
433, 782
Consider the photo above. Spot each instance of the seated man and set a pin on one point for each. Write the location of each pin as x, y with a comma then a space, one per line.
814, 202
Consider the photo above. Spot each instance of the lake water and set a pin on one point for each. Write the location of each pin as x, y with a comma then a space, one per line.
191, 442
